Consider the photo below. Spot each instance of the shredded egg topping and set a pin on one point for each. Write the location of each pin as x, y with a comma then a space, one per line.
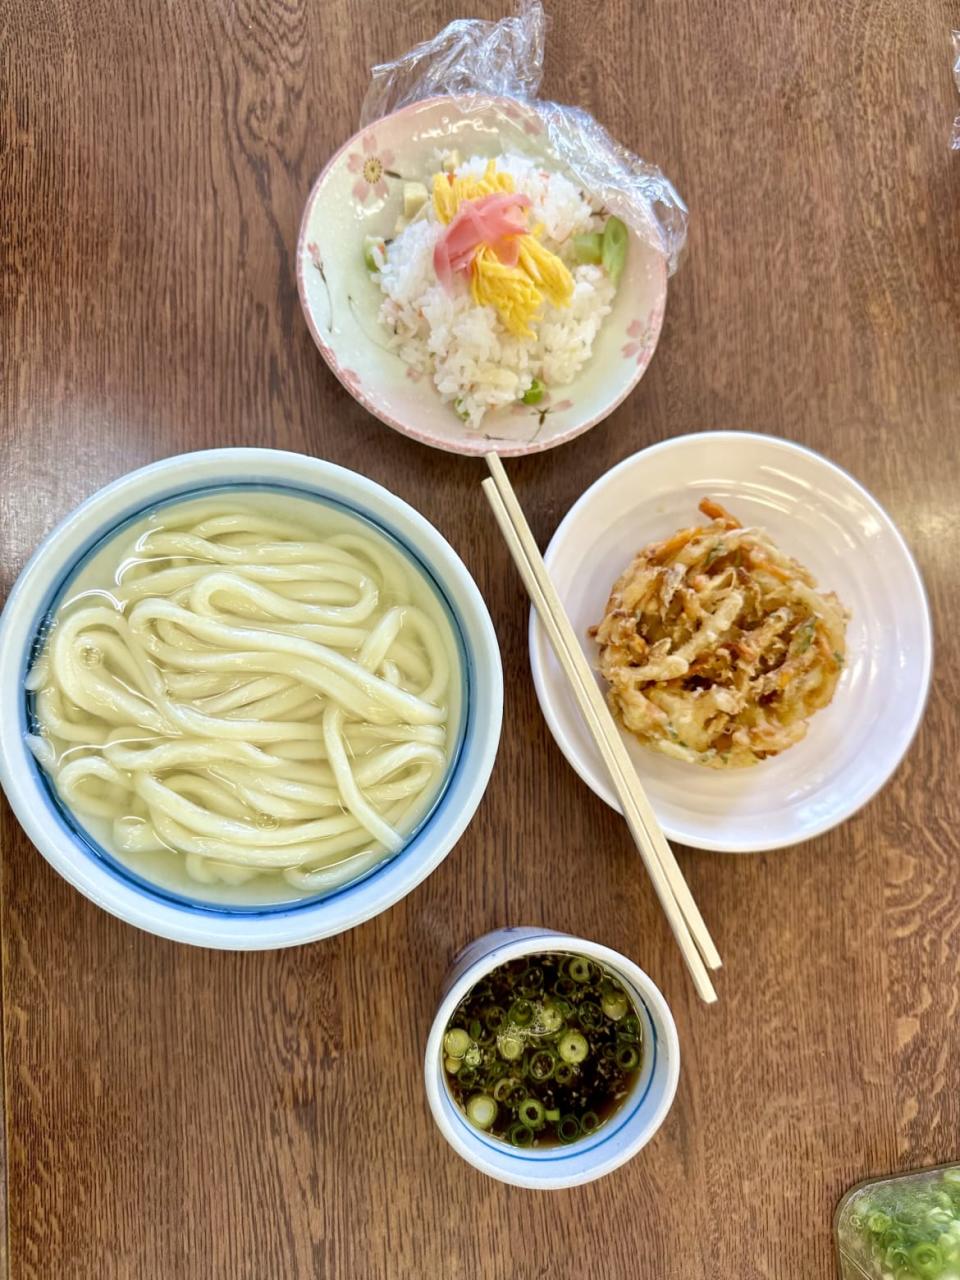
510, 268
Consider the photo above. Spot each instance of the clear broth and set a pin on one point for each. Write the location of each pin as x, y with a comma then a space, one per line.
100, 572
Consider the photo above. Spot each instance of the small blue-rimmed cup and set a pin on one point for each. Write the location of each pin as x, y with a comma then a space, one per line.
115, 887
627, 1130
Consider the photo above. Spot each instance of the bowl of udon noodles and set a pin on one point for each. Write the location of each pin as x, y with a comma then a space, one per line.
249, 698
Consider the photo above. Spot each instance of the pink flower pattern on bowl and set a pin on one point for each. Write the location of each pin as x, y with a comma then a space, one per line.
313, 250
373, 168
544, 405
540, 411
643, 336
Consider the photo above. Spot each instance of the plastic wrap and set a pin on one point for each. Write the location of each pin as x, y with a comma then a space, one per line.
494, 65
955, 142
904, 1227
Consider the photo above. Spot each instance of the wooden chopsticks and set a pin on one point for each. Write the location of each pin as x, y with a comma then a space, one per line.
681, 910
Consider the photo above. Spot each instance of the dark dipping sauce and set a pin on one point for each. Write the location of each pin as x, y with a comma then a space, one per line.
543, 1050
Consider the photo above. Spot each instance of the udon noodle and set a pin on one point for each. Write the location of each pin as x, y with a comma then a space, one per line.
259, 698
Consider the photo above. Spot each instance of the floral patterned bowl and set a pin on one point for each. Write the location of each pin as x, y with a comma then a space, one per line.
359, 193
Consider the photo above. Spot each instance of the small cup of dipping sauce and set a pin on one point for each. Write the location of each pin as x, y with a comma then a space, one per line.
551, 1060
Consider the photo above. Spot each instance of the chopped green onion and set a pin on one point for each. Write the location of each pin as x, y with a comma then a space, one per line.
564, 987
533, 393
551, 1019
552, 1114
459, 410
493, 1017
579, 969
588, 247
568, 1129
589, 1121
481, 1110
615, 1005
456, 1042
590, 1015
531, 1112
474, 1056
926, 1259
629, 1028
628, 1059
497, 1068
573, 1047
878, 1222
510, 1045
516, 1094
542, 1065
475, 1029
467, 1076
453, 1065
504, 1086
614, 248
520, 1013
520, 1135
532, 983
565, 1073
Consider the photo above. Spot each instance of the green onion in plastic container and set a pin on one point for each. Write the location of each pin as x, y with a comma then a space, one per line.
902, 1228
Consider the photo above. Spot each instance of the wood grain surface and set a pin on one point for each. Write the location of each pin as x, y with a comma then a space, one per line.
194, 1115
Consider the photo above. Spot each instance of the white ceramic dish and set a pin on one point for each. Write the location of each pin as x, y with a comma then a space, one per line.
359, 193
114, 887
615, 1142
823, 517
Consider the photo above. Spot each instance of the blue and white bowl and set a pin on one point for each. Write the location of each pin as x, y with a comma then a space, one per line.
113, 885
628, 1129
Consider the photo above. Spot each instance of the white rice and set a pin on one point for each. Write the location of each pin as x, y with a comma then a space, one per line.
476, 364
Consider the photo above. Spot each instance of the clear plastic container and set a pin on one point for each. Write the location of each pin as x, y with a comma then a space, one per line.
905, 1227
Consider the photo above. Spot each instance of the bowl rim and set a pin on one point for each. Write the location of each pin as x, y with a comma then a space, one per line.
484, 444
429, 844
537, 643
550, 1171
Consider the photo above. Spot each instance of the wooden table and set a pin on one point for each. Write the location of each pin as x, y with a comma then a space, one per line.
195, 1115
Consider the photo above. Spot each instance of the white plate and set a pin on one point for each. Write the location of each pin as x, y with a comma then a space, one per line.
820, 515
